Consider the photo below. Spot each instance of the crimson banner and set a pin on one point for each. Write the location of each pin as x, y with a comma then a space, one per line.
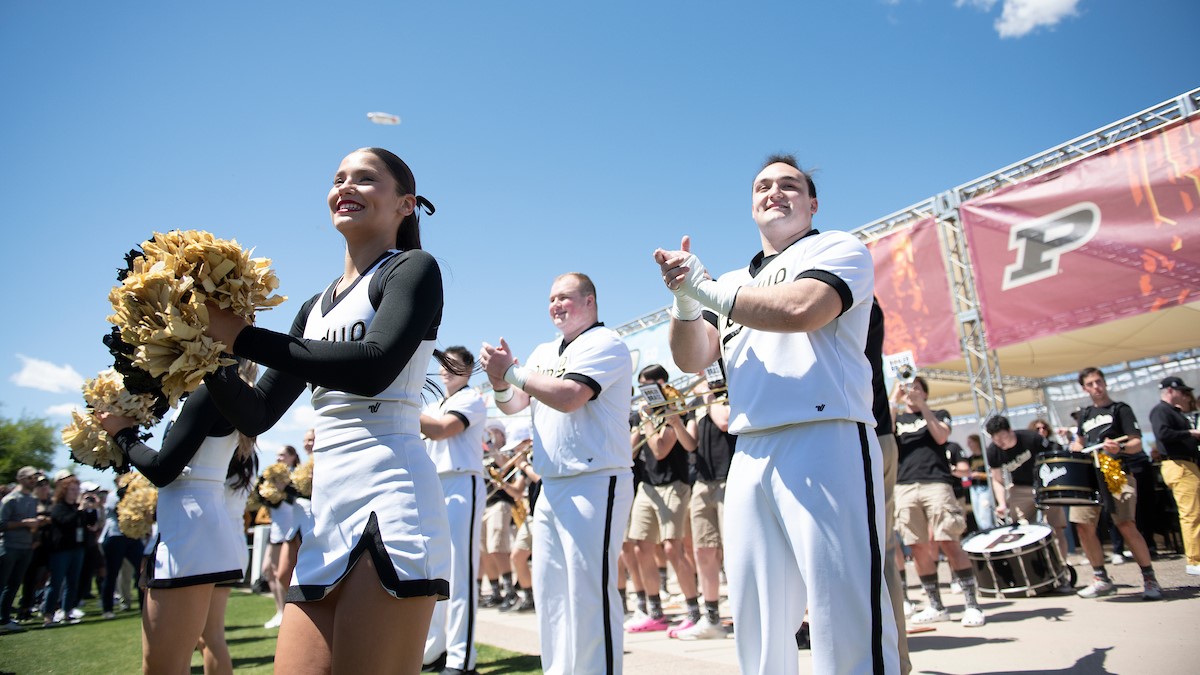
1110, 236
910, 282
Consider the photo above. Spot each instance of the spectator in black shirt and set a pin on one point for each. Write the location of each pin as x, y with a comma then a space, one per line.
1177, 439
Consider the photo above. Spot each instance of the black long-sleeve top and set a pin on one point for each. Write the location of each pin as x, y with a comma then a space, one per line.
1171, 428
407, 294
198, 419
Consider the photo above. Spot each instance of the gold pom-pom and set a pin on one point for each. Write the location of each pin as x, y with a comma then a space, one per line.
89, 444
160, 305
1110, 467
136, 510
272, 487
302, 478
253, 502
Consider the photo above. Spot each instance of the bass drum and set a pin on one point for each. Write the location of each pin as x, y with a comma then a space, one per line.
1017, 560
1066, 479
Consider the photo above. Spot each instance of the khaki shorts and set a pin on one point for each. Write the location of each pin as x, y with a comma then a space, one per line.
659, 512
921, 507
497, 528
1022, 507
708, 513
524, 539
1121, 507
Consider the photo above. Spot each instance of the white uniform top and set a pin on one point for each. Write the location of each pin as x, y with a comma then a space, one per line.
594, 438
780, 379
460, 453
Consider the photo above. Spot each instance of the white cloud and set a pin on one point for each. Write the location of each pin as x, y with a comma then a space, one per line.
63, 409
46, 376
983, 5
1020, 17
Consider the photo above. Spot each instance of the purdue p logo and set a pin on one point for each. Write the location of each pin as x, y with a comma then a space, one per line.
1040, 243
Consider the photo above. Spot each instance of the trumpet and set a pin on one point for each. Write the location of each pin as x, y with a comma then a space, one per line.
502, 474
666, 400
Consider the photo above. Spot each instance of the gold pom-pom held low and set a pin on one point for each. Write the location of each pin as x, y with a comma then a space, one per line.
160, 305
273, 485
302, 478
136, 510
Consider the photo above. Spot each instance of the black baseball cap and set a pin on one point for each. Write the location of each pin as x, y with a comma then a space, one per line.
1173, 382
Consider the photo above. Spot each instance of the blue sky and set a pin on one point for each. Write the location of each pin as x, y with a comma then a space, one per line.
552, 137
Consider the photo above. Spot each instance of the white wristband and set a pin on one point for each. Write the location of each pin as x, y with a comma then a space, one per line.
685, 308
709, 293
517, 375
503, 395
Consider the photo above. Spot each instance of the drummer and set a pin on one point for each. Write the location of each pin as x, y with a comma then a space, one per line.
1015, 452
1100, 424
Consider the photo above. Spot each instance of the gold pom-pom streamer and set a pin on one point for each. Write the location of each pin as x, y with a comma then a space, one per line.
160, 305
272, 487
302, 478
136, 510
1110, 468
87, 440
89, 444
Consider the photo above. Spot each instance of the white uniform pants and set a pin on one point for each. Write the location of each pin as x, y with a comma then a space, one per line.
452, 629
578, 526
805, 526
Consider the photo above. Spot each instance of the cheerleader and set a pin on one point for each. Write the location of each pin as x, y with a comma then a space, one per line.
198, 546
379, 551
284, 539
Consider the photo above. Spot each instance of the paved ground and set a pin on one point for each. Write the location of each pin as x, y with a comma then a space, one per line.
1052, 634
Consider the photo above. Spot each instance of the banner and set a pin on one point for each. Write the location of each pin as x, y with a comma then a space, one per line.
911, 284
1110, 236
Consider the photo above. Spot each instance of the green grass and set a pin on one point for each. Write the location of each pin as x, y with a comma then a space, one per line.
98, 647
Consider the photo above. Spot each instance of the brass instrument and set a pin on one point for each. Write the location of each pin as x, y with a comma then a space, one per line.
501, 475
666, 400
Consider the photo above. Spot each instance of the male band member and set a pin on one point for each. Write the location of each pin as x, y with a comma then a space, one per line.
983, 504
454, 434
804, 498
928, 515
526, 484
1177, 439
1016, 451
578, 390
713, 454
1101, 423
498, 519
660, 506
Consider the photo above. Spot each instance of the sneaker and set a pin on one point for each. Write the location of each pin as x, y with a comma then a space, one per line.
510, 602
1193, 570
76, 613
930, 615
1097, 589
637, 617
703, 630
526, 606
1152, 591
648, 625
493, 600
275, 621
438, 665
59, 616
684, 625
1065, 586
108, 615
972, 617
11, 627
956, 587
909, 609
803, 638
1117, 559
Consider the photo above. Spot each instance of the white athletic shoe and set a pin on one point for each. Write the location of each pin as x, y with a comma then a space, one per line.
956, 587
275, 621
637, 617
108, 615
972, 617
1097, 589
1117, 559
59, 616
76, 613
1193, 570
704, 630
930, 615
909, 609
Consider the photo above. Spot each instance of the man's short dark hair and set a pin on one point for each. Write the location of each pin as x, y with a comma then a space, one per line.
996, 424
1087, 372
924, 385
790, 160
654, 373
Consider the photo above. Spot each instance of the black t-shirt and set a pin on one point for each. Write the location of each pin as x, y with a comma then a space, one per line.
1114, 420
673, 467
921, 459
977, 465
881, 408
714, 450
1019, 459
1171, 429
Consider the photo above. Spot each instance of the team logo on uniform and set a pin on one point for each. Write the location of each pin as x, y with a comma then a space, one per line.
1041, 243
374, 407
